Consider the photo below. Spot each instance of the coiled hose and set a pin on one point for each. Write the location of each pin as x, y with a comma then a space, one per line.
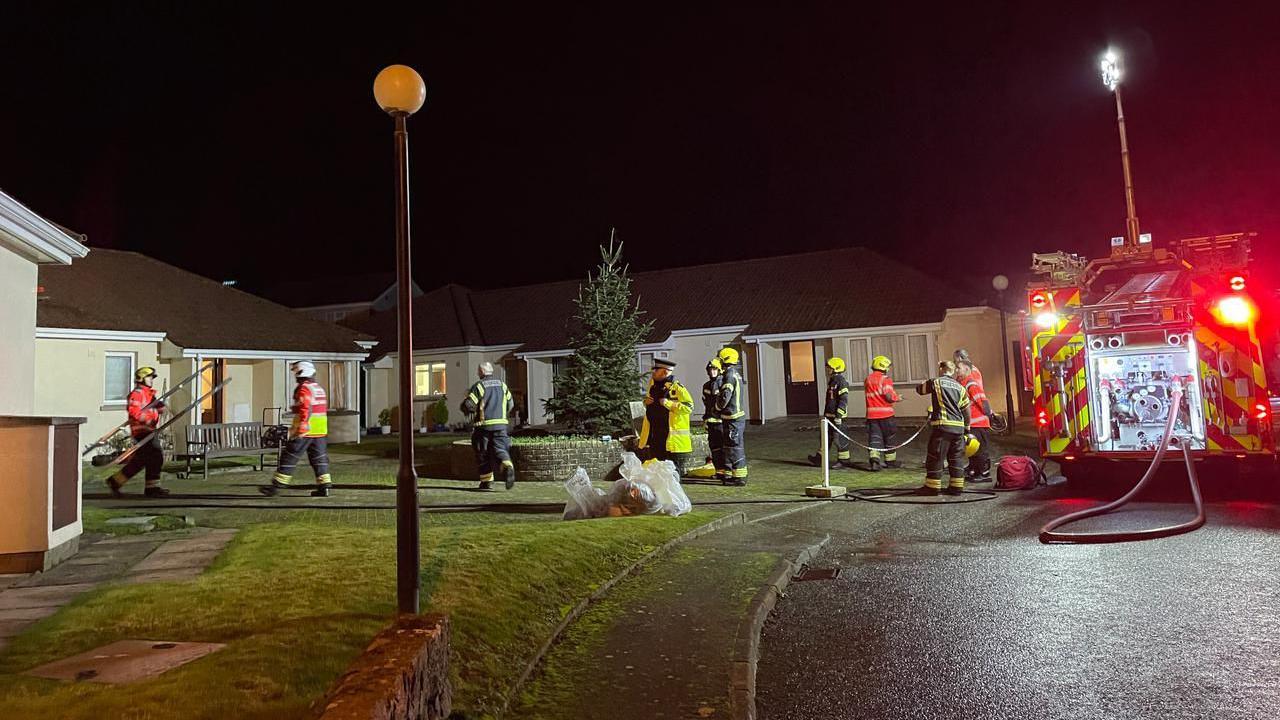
1048, 534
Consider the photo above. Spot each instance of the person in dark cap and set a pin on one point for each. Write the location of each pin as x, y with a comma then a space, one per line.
668, 406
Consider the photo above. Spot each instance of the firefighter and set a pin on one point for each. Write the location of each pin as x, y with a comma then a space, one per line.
949, 420
979, 469
881, 425
144, 416
962, 355
490, 401
835, 410
711, 420
665, 434
732, 406
307, 434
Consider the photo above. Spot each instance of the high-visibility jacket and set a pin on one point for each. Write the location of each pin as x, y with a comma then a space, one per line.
949, 410
491, 402
979, 406
731, 404
880, 395
710, 391
310, 410
837, 405
675, 400
143, 419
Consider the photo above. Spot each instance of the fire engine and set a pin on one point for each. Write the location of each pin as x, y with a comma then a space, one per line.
1110, 338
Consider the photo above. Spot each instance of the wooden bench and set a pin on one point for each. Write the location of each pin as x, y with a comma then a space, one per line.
217, 440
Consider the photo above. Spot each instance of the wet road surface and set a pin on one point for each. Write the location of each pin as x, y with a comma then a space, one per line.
959, 612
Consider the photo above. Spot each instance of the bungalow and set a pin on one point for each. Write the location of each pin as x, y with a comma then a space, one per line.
786, 315
100, 319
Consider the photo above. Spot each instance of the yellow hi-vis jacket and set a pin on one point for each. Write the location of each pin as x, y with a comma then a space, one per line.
679, 405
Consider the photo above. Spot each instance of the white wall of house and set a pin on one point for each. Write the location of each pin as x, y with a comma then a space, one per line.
978, 331
18, 278
71, 376
541, 387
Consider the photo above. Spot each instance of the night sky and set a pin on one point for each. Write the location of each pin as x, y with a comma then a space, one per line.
234, 141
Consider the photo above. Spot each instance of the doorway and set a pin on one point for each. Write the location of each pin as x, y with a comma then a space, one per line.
211, 406
801, 378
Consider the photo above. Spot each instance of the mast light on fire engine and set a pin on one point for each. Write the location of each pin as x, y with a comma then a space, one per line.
1047, 319
1235, 310
1111, 70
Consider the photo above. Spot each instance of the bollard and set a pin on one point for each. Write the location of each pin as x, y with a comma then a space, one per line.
826, 489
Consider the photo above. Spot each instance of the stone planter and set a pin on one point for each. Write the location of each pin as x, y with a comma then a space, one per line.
555, 461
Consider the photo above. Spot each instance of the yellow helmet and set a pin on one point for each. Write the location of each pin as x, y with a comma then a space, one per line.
715, 363
728, 356
881, 363
971, 446
144, 372
836, 364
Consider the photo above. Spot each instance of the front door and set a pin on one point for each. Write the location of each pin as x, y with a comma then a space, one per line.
802, 380
211, 406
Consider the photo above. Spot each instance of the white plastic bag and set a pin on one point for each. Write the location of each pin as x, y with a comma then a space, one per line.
585, 500
662, 479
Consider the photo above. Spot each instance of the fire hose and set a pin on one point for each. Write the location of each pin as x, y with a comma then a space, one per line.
1049, 534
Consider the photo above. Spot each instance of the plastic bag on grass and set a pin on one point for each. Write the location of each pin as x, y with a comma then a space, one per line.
662, 479
585, 500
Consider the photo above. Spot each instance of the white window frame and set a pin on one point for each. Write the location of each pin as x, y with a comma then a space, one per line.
133, 368
429, 364
926, 372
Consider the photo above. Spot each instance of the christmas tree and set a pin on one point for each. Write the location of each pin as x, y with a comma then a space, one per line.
592, 395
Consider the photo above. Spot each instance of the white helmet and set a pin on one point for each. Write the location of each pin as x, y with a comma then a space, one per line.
304, 369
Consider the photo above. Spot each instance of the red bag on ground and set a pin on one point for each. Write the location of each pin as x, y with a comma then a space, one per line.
1017, 472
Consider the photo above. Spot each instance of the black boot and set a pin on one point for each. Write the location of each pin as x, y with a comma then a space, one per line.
114, 488
953, 490
875, 465
156, 492
509, 475
486, 485
893, 464
926, 491
322, 491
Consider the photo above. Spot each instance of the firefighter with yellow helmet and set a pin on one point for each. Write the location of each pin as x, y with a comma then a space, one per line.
665, 432
732, 407
835, 410
144, 415
881, 426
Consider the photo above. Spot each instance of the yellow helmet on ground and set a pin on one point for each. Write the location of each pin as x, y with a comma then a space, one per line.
971, 446
881, 363
144, 372
836, 364
728, 356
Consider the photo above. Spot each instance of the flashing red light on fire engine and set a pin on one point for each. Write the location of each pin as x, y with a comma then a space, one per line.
1262, 411
1237, 282
1042, 418
1038, 300
1234, 310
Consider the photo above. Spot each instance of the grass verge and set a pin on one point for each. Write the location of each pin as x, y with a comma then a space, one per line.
296, 602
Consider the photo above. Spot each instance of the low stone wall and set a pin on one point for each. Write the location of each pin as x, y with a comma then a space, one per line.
555, 461
402, 675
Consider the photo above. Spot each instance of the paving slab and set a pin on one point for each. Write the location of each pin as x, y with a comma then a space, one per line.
28, 614
7, 580
43, 596
125, 661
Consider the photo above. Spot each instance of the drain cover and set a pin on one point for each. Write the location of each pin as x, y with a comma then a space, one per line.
811, 573
125, 661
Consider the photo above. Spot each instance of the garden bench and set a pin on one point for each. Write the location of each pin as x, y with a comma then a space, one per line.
217, 440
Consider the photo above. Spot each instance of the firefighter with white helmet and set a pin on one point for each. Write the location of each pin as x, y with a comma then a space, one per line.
144, 414
489, 402
881, 426
732, 406
949, 439
308, 434
835, 410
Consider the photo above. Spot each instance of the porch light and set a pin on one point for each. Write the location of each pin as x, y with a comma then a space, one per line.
399, 89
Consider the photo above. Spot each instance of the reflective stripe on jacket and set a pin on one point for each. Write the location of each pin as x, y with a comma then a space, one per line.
490, 400
710, 390
880, 395
142, 422
310, 410
730, 402
837, 406
678, 404
950, 405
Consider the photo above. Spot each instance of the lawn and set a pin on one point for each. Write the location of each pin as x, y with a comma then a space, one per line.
296, 602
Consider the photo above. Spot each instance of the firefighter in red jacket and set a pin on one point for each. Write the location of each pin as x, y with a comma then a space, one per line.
144, 415
979, 469
881, 427
308, 434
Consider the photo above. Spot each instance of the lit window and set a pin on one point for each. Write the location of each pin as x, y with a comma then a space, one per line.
428, 379
119, 376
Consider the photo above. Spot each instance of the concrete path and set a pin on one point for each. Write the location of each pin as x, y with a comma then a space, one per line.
154, 557
662, 644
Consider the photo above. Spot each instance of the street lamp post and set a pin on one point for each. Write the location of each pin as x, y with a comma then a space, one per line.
400, 91
1111, 78
1001, 283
